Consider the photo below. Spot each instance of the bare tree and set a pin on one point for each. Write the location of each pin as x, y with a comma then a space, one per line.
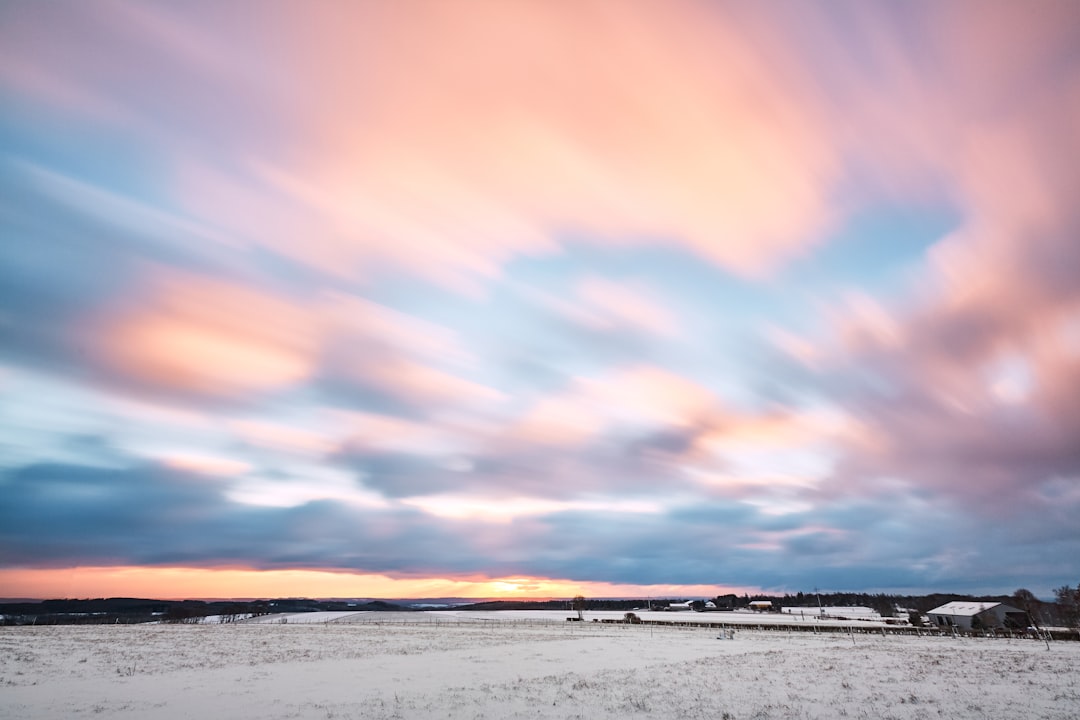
1031, 605
1026, 601
579, 605
1068, 604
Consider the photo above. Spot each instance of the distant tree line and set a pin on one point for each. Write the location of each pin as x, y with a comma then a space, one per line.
885, 604
1064, 610
138, 610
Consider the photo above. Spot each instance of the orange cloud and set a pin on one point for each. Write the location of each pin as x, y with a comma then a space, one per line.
209, 337
180, 582
447, 142
219, 338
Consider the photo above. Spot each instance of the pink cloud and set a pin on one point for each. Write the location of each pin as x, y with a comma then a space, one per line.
447, 142
420, 361
420, 382
681, 128
223, 338
625, 304
645, 397
208, 337
690, 426
798, 347
561, 420
505, 510
207, 464
283, 437
642, 398
607, 305
961, 385
371, 430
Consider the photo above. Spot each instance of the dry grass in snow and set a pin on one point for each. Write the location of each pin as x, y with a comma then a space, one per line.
522, 670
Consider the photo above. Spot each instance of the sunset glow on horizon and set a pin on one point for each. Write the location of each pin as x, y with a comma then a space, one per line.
223, 583
487, 299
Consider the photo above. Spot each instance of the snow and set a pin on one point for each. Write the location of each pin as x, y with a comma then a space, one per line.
862, 617
790, 616
308, 618
967, 609
499, 665
865, 618
850, 612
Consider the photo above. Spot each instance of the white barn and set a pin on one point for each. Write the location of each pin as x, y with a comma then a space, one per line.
963, 615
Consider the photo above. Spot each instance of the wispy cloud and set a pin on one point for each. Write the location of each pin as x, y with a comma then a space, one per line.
413, 292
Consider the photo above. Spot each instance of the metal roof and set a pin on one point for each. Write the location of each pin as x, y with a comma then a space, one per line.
966, 608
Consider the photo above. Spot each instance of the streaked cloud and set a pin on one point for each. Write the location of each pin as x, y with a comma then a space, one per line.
526, 299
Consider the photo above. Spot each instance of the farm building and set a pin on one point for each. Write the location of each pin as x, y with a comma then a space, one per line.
761, 605
976, 615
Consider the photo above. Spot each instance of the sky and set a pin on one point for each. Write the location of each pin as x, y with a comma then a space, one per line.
481, 299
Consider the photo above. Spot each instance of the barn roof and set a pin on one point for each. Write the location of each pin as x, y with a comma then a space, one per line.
966, 608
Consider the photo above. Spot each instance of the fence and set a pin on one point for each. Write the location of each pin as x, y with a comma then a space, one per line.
722, 627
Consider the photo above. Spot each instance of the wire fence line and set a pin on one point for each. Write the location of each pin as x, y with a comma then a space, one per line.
726, 628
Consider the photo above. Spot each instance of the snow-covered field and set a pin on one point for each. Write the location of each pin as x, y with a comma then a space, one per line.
859, 617
473, 668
